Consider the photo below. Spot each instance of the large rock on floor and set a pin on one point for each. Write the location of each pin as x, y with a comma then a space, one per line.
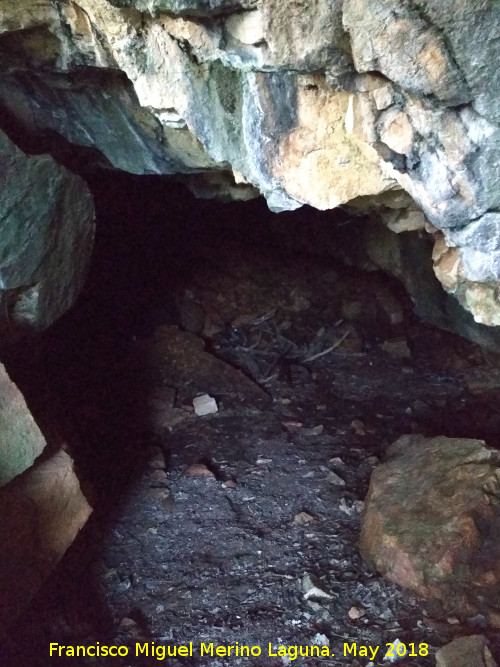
432, 521
469, 651
41, 512
42, 507
47, 234
178, 359
21, 441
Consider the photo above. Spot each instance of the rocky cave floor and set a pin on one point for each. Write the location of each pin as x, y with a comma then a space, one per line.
205, 527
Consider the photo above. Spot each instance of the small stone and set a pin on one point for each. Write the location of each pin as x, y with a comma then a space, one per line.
163, 417
358, 506
397, 348
447, 264
163, 497
494, 618
358, 426
383, 97
292, 426
392, 654
355, 612
158, 475
372, 461
396, 131
303, 518
336, 461
314, 606
333, 478
313, 430
198, 470
229, 484
347, 509
205, 405
247, 27
408, 221
311, 589
321, 640
157, 460
127, 624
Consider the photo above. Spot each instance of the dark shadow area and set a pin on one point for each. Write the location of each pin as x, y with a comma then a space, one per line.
264, 296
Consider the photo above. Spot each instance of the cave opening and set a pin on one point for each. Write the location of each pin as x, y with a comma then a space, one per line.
216, 527
230, 437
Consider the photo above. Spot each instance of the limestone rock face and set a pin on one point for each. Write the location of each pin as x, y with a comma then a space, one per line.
430, 519
314, 103
195, 7
21, 441
47, 216
398, 40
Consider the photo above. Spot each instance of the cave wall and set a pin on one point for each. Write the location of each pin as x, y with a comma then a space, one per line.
47, 232
385, 104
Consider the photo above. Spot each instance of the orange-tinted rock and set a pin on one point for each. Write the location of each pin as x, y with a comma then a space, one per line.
432, 520
41, 514
470, 651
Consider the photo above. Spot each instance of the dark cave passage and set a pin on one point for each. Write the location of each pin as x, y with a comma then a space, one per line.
315, 366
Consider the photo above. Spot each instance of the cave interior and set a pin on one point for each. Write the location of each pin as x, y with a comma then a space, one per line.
204, 527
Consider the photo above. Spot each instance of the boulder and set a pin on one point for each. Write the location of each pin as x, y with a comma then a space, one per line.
432, 521
469, 651
47, 238
42, 511
21, 441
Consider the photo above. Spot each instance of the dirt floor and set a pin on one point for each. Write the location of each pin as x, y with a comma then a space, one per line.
238, 528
